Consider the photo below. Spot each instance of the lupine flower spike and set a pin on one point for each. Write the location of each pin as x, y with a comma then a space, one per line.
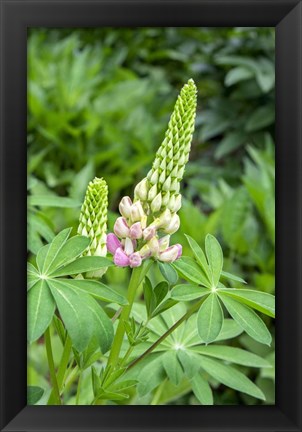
93, 221
146, 224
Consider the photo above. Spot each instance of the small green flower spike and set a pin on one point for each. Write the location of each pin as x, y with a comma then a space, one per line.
160, 189
93, 220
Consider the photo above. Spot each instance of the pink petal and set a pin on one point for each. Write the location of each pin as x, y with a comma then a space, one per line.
136, 231
170, 254
128, 246
112, 243
125, 206
179, 246
121, 228
120, 258
149, 232
135, 260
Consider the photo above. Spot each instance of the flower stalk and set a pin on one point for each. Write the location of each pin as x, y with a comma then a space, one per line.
153, 215
93, 221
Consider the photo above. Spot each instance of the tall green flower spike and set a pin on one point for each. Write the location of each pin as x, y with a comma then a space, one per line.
160, 189
93, 220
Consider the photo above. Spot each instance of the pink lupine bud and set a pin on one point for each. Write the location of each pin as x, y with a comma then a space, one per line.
170, 254
179, 246
121, 228
120, 258
128, 246
149, 232
125, 206
164, 243
173, 225
135, 260
112, 243
141, 190
136, 231
136, 211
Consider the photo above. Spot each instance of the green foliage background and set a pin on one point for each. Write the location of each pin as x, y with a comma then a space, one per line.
99, 101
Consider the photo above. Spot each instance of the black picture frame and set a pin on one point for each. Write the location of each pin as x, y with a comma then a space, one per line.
16, 17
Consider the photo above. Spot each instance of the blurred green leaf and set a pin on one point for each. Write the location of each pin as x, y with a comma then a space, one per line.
202, 390
34, 394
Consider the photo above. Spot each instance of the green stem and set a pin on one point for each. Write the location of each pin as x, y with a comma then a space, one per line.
62, 368
64, 361
136, 279
51, 366
187, 315
78, 390
71, 377
129, 351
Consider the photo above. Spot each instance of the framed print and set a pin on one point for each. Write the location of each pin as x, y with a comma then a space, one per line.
154, 150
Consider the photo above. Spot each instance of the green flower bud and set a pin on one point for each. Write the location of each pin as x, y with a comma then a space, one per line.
93, 220
141, 190
156, 203
169, 164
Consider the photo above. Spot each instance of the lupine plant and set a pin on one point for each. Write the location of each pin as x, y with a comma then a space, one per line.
162, 338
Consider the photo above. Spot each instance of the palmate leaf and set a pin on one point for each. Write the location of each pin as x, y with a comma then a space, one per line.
200, 257
160, 291
232, 355
188, 292
32, 276
73, 248
96, 289
247, 319
164, 306
82, 265
190, 270
40, 258
74, 313
228, 275
202, 390
151, 376
215, 257
230, 377
53, 250
34, 394
263, 302
210, 319
183, 354
82, 316
172, 367
40, 310
103, 327
230, 329
168, 272
189, 361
